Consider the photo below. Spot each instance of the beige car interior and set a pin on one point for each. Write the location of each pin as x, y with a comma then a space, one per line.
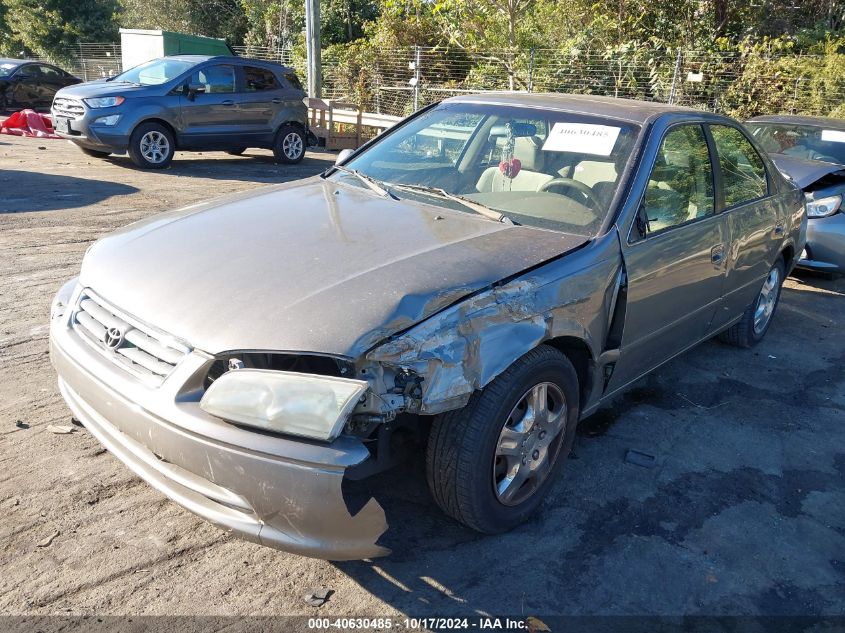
679, 190
538, 168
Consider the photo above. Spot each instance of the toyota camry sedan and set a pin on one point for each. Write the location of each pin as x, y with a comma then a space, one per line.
470, 284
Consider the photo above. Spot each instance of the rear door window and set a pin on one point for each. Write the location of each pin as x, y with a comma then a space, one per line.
743, 172
260, 79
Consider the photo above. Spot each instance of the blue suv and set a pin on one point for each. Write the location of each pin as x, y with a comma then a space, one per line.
187, 102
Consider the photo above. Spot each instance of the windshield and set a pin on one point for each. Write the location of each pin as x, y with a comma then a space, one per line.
7, 68
152, 73
544, 168
803, 141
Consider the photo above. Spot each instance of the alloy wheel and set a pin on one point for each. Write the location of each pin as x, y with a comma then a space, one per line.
155, 147
529, 443
292, 145
766, 301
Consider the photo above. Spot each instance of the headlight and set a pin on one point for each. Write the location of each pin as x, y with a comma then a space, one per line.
62, 300
112, 119
823, 207
285, 402
104, 102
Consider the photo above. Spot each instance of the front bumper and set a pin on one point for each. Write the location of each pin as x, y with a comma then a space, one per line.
825, 250
84, 131
274, 491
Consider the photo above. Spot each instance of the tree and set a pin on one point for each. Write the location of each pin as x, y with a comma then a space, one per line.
53, 27
213, 18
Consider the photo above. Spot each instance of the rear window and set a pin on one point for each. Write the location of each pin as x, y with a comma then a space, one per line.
260, 79
293, 80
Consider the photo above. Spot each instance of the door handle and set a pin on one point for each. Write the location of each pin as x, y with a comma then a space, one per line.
717, 254
277, 100
778, 229
227, 102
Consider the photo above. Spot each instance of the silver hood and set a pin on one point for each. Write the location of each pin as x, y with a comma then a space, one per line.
312, 266
804, 171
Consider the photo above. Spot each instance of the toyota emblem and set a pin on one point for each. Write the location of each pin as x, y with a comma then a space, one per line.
114, 337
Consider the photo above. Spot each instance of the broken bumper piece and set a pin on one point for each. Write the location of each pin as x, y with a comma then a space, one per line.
271, 490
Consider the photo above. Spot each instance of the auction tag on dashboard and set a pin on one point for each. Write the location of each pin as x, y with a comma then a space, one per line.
833, 136
582, 138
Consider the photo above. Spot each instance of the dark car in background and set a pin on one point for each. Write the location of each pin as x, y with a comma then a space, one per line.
30, 84
811, 152
187, 102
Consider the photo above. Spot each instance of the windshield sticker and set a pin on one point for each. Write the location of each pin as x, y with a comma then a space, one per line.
833, 136
582, 138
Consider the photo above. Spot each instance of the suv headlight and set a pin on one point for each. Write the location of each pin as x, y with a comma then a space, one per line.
104, 102
823, 207
286, 402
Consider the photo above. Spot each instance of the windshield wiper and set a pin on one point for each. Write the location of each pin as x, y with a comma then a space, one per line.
372, 183
469, 204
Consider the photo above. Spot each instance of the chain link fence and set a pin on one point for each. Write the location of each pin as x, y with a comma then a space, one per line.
399, 81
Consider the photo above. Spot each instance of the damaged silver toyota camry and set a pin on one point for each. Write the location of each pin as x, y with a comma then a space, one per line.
471, 284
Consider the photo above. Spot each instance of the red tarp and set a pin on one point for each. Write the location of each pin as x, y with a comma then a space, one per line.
28, 123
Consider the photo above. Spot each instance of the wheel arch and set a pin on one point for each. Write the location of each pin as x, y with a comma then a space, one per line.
581, 357
788, 255
293, 122
161, 122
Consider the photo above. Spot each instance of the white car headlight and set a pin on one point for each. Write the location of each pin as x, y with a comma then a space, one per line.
104, 102
285, 402
823, 207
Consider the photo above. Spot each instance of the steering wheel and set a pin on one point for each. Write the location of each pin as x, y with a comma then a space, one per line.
571, 183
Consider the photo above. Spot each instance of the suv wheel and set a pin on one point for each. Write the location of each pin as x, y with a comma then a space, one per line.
236, 151
490, 464
151, 146
290, 145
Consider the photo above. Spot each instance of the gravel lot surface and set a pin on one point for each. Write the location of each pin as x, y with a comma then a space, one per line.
743, 511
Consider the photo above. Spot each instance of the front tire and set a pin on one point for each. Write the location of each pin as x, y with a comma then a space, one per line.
757, 317
151, 146
490, 464
289, 147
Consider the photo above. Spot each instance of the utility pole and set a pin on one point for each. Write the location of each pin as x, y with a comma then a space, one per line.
312, 42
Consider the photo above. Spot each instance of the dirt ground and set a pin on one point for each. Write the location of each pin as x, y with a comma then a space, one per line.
743, 511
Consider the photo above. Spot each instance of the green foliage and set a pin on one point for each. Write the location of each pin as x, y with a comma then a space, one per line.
53, 27
212, 18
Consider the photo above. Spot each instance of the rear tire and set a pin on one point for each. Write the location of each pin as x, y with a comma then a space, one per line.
93, 153
151, 146
758, 316
490, 464
289, 147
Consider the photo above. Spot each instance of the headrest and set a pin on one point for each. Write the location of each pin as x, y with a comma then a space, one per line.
528, 150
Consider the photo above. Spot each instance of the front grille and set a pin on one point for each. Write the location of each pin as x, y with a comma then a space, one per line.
62, 106
138, 348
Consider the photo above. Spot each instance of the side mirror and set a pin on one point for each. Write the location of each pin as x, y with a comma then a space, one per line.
343, 155
194, 90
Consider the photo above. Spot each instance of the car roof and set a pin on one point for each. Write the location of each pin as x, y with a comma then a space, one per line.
794, 119
611, 107
199, 59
